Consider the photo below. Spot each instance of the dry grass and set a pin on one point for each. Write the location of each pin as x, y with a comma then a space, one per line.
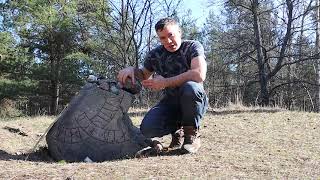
236, 144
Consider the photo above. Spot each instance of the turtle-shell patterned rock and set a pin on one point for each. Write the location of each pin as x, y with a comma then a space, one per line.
95, 125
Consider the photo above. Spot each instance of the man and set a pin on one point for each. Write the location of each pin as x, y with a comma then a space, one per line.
179, 68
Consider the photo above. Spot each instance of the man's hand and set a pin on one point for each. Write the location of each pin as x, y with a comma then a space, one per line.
157, 83
125, 73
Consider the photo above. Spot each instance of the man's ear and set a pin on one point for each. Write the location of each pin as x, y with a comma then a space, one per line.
180, 30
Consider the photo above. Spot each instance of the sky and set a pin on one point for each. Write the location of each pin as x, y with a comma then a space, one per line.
200, 9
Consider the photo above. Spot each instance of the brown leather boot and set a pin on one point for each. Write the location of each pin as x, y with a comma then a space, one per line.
191, 142
177, 139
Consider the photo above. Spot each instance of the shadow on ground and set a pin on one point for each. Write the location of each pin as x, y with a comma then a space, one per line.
220, 112
151, 152
225, 112
175, 152
41, 155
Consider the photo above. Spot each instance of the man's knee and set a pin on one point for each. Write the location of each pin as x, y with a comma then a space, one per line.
146, 130
191, 90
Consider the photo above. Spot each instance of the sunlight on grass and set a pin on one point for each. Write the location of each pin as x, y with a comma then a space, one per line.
237, 143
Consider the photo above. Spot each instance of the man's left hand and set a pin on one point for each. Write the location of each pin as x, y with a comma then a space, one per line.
157, 83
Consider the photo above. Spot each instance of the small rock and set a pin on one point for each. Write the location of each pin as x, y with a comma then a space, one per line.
88, 160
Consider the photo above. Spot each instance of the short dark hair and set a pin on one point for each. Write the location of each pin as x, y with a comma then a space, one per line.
163, 22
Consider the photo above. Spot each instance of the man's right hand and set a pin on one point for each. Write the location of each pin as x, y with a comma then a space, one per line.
125, 73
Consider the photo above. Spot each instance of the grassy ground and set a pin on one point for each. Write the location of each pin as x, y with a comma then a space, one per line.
236, 144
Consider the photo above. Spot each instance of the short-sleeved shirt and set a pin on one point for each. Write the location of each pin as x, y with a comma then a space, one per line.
169, 64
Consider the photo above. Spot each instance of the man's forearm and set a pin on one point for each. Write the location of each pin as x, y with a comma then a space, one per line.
178, 80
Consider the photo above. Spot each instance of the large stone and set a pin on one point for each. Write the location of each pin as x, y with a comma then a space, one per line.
96, 125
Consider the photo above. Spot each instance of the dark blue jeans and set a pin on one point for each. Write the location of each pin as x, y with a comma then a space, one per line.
185, 108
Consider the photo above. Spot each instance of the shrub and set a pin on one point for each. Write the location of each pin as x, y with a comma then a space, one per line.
8, 109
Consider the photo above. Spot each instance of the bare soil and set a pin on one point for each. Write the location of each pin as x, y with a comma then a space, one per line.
236, 144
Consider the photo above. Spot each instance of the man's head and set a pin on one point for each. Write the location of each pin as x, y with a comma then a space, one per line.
169, 34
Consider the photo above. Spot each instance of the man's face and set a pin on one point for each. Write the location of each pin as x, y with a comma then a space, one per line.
170, 37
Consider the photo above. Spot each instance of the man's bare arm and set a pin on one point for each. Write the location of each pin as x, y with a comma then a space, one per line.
197, 73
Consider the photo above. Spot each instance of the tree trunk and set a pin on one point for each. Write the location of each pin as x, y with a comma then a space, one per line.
124, 13
318, 48
290, 72
55, 90
55, 62
260, 58
55, 98
150, 28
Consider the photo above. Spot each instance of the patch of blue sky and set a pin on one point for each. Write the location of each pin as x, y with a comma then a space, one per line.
201, 8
